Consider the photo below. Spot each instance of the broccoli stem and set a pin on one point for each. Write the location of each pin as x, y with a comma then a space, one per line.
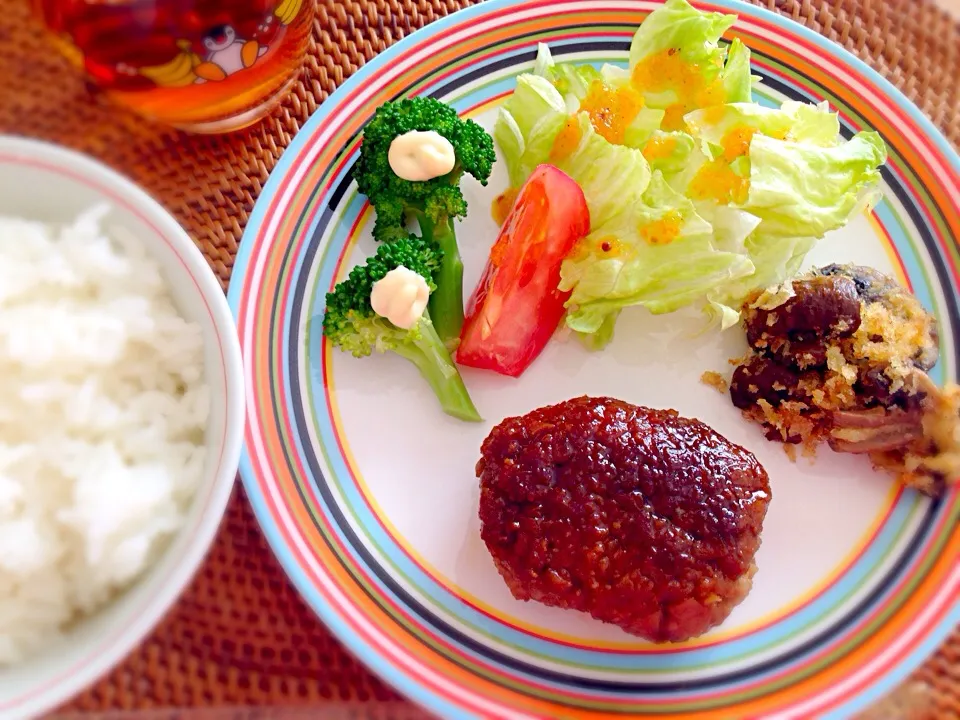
446, 302
433, 361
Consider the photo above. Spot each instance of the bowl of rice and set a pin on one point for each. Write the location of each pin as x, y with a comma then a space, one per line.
121, 419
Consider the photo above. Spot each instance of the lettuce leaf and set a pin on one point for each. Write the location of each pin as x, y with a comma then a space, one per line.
796, 121
805, 190
669, 248
677, 25
669, 152
774, 259
612, 177
678, 62
614, 75
571, 81
635, 271
731, 226
737, 80
644, 126
528, 124
804, 180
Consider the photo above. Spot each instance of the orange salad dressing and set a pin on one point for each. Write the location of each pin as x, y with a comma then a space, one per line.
664, 230
737, 142
716, 180
668, 70
567, 140
503, 204
611, 110
659, 147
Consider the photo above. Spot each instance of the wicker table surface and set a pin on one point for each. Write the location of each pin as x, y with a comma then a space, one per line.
240, 637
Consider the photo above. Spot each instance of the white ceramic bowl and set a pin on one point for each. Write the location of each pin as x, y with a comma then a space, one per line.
49, 183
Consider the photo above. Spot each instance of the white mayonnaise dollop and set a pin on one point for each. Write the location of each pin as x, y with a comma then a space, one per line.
418, 156
401, 297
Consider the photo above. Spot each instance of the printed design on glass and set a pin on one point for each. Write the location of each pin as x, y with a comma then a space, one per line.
222, 50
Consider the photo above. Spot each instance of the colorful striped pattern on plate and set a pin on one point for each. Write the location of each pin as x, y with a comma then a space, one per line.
828, 653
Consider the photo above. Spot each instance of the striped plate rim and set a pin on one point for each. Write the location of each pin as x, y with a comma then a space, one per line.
288, 210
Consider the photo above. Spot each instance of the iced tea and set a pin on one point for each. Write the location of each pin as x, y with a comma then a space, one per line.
201, 65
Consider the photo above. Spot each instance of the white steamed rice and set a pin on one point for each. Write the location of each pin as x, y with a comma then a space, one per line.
102, 416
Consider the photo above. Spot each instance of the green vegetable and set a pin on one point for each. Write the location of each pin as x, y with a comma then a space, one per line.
737, 80
571, 81
660, 277
612, 177
799, 189
528, 124
436, 203
774, 259
677, 25
731, 227
644, 126
799, 122
614, 75
755, 187
350, 323
678, 160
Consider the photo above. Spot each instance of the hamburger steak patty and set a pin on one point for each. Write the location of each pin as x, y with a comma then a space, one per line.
639, 517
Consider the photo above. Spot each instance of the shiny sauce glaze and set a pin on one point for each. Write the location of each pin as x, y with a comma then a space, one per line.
640, 517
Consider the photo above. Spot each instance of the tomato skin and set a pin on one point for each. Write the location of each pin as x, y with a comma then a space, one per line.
516, 306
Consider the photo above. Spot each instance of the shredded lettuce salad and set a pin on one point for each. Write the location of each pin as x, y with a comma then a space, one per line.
697, 195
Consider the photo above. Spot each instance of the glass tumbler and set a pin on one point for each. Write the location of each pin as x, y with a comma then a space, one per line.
205, 66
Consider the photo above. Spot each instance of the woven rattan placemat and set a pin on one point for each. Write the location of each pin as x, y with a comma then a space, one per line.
241, 636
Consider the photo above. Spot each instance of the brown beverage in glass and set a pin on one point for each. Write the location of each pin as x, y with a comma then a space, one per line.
200, 65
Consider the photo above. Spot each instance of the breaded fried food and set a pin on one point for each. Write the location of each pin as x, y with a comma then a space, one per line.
843, 359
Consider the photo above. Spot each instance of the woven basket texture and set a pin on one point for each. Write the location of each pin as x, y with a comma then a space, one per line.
241, 636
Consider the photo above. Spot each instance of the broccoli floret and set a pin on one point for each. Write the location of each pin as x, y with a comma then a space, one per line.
435, 203
350, 323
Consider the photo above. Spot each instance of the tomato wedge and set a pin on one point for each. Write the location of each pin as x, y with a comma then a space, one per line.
516, 307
